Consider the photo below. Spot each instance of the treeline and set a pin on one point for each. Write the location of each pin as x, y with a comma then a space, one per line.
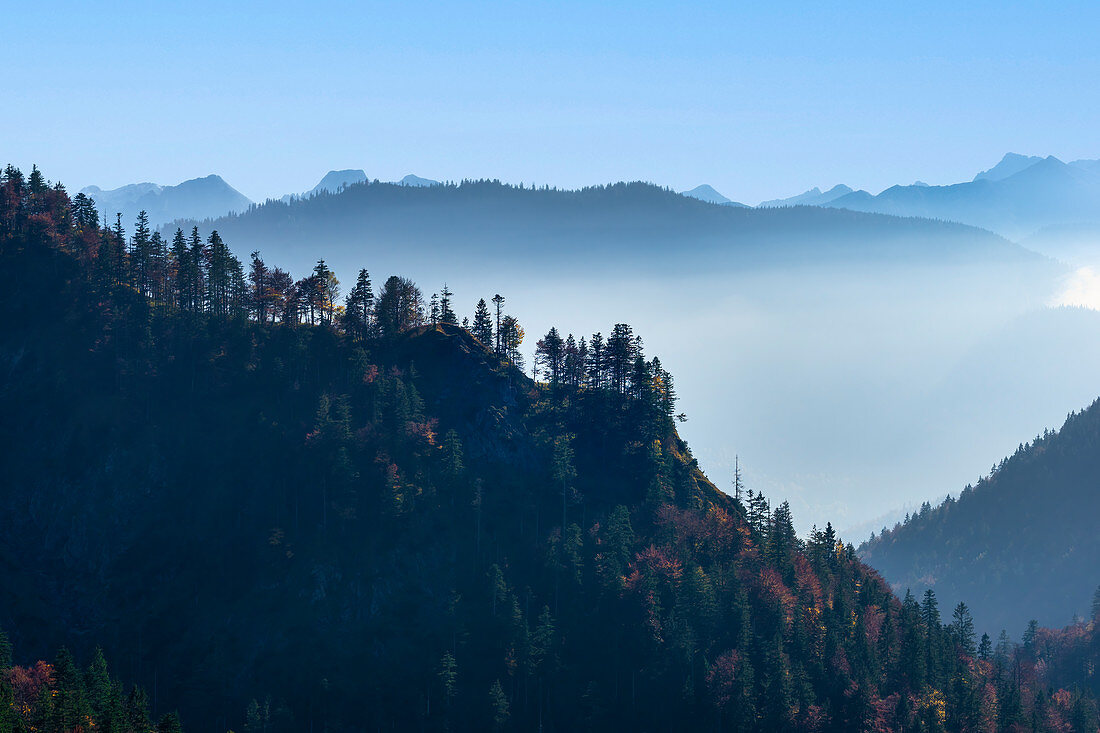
60, 697
193, 275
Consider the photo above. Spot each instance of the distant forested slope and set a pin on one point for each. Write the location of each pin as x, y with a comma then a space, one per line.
632, 226
1023, 543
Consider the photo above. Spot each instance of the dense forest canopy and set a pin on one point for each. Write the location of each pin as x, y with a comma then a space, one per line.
1023, 540
281, 511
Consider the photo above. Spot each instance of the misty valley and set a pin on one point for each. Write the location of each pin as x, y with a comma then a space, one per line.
475, 456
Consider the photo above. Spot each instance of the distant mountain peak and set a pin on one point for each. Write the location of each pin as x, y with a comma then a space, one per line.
706, 193
813, 197
201, 198
333, 181
1010, 165
411, 180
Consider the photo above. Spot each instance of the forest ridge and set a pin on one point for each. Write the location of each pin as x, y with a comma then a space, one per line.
364, 514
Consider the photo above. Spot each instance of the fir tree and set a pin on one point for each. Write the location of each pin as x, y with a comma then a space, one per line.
483, 325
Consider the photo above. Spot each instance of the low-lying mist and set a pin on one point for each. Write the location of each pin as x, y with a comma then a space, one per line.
856, 363
848, 390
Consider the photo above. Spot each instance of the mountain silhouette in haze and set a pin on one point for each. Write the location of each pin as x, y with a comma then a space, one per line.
708, 194
198, 198
333, 181
1010, 165
411, 180
638, 226
1016, 198
814, 197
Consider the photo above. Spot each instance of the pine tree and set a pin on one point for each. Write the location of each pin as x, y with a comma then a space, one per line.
259, 277
197, 280
962, 629
985, 648
510, 336
169, 723
1030, 633
327, 290
550, 354
498, 705
564, 471
141, 255
359, 308
105, 706
70, 704
448, 678
137, 710
483, 325
738, 484
498, 301
446, 313
399, 306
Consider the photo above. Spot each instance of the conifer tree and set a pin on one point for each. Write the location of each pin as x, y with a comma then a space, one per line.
359, 308
399, 306
985, 648
446, 313
962, 628
259, 277
483, 325
550, 353
498, 704
327, 290
510, 336
197, 273
498, 301
141, 255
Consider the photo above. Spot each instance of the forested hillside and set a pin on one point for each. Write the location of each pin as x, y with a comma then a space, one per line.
59, 696
282, 513
630, 226
1020, 544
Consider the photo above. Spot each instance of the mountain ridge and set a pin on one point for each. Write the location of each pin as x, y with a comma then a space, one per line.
203, 197
1020, 538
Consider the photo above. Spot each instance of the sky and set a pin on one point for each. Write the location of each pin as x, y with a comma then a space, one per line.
760, 100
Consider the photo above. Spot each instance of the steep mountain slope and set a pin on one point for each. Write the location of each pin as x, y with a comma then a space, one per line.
637, 227
375, 523
1020, 544
198, 198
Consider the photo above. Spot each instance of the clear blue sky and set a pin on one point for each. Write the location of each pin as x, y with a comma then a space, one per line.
760, 100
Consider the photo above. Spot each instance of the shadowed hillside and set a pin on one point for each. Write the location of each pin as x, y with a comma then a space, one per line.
634, 227
1022, 543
